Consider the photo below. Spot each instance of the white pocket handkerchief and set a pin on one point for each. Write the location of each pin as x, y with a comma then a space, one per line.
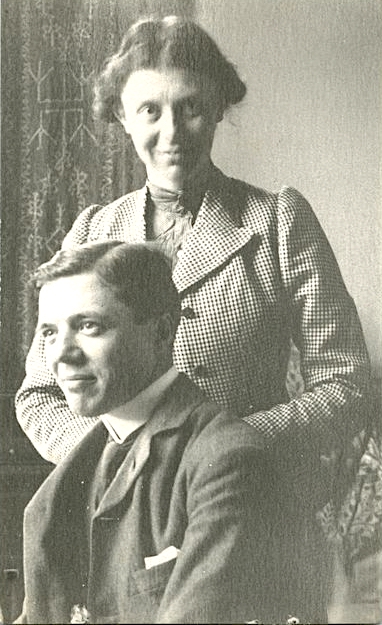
170, 553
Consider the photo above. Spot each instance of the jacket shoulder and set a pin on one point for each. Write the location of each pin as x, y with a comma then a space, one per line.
264, 209
218, 434
286, 194
95, 221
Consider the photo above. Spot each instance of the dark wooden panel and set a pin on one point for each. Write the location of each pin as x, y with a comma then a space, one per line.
17, 486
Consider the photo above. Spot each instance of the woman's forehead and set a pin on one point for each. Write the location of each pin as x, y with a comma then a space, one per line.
165, 81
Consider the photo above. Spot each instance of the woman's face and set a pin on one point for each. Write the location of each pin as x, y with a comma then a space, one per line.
171, 117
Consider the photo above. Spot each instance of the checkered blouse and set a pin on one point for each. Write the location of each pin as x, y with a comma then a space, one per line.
255, 273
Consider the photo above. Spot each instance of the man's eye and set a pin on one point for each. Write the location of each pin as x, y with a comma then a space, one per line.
89, 327
48, 333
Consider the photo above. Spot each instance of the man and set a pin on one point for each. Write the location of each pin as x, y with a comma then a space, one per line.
167, 510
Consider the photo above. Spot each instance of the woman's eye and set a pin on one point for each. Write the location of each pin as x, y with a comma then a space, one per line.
193, 109
151, 111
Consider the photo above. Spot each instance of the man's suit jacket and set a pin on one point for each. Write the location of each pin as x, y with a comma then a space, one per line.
196, 479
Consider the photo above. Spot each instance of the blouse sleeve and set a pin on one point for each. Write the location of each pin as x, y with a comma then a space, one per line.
319, 425
41, 408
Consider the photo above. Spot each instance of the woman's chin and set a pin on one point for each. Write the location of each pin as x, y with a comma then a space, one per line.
174, 177
171, 179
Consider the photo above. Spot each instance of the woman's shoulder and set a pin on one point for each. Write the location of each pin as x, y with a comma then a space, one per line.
125, 202
286, 196
267, 206
100, 221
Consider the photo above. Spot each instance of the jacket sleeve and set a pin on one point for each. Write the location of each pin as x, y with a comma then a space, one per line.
220, 574
248, 554
41, 408
322, 422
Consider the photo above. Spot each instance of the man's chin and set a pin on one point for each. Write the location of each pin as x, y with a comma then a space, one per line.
84, 413
85, 410
91, 406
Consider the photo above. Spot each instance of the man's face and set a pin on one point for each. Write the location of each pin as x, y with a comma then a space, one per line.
99, 356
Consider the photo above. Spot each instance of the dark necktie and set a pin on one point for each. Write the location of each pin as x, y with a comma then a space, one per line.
111, 459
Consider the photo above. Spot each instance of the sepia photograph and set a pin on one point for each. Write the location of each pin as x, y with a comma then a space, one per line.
191, 345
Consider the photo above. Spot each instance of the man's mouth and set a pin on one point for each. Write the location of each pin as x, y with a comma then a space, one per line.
78, 383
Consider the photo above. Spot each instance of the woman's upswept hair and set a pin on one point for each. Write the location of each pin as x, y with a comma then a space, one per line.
138, 274
165, 43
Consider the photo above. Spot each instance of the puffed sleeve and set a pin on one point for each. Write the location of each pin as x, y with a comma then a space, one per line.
325, 327
41, 408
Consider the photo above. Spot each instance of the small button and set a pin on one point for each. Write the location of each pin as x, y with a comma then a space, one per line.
188, 312
201, 371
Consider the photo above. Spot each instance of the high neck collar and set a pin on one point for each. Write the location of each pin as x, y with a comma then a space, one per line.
190, 197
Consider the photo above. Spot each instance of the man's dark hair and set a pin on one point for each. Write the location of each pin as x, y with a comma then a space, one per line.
140, 275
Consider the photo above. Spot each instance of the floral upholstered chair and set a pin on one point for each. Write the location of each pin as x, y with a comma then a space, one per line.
353, 524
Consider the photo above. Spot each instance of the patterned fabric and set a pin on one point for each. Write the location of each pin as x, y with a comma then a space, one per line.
256, 270
58, 160
67, 162
168, 221
355, 528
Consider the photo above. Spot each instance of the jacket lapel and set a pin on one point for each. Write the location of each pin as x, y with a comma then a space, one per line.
76, 471
62, 496
175, 408
216, 236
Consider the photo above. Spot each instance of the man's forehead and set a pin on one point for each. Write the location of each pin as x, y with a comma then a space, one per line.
77, 294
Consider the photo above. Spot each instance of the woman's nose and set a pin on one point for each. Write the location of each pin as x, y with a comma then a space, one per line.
170, 122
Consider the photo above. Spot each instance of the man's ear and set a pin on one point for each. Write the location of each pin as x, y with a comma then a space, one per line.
219, 113
166, 328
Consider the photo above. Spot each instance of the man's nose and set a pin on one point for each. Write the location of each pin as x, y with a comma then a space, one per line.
66, 348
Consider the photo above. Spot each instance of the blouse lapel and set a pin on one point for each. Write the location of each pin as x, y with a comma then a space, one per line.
216, 236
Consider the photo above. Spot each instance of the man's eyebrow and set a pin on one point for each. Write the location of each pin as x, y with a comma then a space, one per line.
147, 101
93, 314
74, 319
43, 326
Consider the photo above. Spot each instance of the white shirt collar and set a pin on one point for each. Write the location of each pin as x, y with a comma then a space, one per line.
122, 421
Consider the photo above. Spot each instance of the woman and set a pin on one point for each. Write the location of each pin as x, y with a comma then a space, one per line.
254, 268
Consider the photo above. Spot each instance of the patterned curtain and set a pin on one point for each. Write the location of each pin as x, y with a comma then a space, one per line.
55, 160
